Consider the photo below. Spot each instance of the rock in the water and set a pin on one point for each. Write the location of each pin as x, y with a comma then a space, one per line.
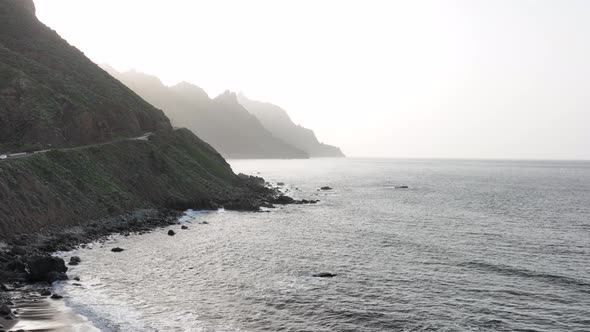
204, 223
401, 187
45, 292
171, 233
117, 249
326, 188
46, 268
280, 183
77, 278
283, 200
74, 260
56, 297
324, 275
5, 310
183, 227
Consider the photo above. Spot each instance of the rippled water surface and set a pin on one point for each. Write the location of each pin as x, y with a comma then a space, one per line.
469, 246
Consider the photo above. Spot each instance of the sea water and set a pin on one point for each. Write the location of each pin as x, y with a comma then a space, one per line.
468, 246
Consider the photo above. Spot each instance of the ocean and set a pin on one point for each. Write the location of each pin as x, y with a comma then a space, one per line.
468, 246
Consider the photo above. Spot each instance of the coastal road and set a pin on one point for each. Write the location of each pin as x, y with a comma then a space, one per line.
18, 155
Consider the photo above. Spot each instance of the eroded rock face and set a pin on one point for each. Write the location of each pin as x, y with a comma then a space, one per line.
46, 268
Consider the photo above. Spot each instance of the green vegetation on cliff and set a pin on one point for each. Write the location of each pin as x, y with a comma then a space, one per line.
66, 187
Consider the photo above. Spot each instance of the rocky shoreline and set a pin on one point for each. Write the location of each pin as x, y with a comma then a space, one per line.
28, 258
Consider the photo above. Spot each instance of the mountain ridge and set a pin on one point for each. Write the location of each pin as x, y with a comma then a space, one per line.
278, 122
221, 121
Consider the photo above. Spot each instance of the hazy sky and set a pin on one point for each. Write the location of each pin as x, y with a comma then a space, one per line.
431, 78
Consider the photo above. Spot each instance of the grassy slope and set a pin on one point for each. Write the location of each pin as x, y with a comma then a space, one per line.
73, 186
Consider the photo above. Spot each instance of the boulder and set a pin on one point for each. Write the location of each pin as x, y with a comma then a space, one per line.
5, 310
46, 268
117, 249
74, 260
283, 200
183, 227
171, 233
326, 188
401, 187
56, 297
45, 292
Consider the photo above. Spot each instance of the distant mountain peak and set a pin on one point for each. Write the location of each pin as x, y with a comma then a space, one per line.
190, 91
227, 97
278, 122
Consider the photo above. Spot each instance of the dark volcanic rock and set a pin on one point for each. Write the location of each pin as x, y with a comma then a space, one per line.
326, 188
324, 275
171, 233
5, 310
19, 250
117, 249
283, 200
255, 180
402, 187
56, 297
245, 204
183, 227
75, 260
46, 268
45, 292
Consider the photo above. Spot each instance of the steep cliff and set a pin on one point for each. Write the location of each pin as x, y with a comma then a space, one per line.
278, 122
223, 122
52, 95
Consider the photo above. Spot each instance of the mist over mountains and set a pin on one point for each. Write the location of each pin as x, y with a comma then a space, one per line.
279, 123
234, 125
